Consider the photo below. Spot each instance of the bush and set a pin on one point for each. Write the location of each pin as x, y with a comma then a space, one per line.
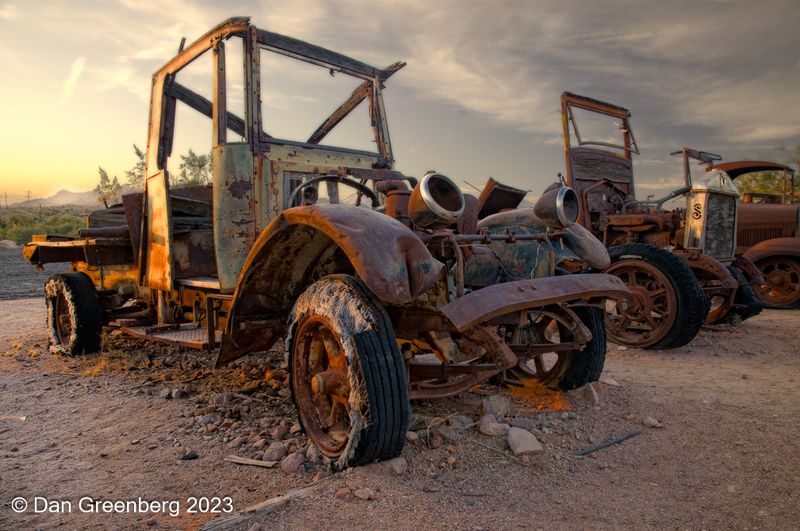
18, 224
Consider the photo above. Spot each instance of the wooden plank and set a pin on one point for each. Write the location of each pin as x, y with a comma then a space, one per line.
253, 462
203, 106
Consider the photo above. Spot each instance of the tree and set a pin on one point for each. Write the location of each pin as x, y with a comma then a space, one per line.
108, 188
136, 174
195, 169
771, 182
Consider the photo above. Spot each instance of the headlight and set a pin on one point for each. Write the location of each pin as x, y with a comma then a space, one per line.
558, 206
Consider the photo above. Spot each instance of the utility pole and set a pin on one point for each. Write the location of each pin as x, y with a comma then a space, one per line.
29, 195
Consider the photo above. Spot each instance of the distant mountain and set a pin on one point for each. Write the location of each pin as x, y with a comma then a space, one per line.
65, 197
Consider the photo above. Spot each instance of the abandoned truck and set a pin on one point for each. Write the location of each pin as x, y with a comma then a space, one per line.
407, 295
769, 232
680, 264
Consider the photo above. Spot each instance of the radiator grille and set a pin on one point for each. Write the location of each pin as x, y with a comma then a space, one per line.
752, 235
720, 226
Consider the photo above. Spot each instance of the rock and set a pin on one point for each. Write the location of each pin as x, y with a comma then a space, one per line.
651, 422
279, 432
177, 393
221, 399
342, 493
462, 422
523, 422
523, 442
189, 456
313, 455
435, 441
586, 394
488, 425
250, 387
496, 405
260, 443
210, 419
255, 527
293, 463
622, 348
165, 394
398, 465
237, 442
609, 381
451, 460
364, 494
275, 452
296, 428
412, 437
448, 433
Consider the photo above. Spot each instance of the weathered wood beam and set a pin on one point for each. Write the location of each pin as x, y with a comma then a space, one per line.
203, 106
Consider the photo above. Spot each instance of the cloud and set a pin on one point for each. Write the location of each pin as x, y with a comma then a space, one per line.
71, 82
8, 11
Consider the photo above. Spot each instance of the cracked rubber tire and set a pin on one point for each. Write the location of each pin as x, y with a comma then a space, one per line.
348, 377
585, 366
74, 314
747, 303
690, 304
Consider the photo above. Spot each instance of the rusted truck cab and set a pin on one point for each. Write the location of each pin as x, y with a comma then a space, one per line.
665, 255
769, 232
412, 289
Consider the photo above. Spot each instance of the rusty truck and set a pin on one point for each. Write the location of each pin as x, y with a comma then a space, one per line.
680, 263
769, 231
411, 290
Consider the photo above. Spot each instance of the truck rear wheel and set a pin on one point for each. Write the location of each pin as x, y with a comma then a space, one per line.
782, 276
669, 306
348, 377
74, 314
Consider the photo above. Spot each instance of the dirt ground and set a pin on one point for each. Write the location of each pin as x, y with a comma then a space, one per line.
100, 426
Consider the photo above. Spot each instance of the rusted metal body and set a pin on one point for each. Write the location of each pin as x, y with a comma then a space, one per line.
769, 233
703, 233
223, 265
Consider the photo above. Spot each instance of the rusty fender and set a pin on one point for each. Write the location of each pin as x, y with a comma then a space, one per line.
305, 243
773, 247
702, 263
484, 304
750, 270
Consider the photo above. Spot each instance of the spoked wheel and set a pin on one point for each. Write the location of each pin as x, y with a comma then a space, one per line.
668, 305
74, 314
348, 376
782, 288
320, 363
550, 351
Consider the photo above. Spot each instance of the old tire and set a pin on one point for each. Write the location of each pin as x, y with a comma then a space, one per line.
670, 306
74, 314
746, 304
348, 377
564, 370
782, 276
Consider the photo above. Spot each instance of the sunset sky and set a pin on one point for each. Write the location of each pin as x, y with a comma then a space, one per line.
479, 97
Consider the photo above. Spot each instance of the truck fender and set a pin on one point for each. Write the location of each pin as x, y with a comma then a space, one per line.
773, 247
305, 243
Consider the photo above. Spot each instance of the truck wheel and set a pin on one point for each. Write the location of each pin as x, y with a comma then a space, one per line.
562, 370
669, 306
782, 275
746, 304
348, 377
74, 314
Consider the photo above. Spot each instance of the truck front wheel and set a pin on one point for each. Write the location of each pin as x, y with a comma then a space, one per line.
348, 378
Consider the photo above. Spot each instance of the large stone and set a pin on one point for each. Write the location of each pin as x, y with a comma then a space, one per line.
523, 442
488, 425
293, 463
275, 452
496, 405
461, 422
523, 422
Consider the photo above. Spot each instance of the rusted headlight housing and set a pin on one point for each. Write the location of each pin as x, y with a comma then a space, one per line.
558, 207
435, 202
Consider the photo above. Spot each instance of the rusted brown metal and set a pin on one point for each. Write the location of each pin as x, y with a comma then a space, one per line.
500, 299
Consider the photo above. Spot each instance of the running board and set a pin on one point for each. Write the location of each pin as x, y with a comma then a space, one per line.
189, 335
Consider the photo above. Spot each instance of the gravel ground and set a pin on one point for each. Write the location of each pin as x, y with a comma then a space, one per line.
102, 426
